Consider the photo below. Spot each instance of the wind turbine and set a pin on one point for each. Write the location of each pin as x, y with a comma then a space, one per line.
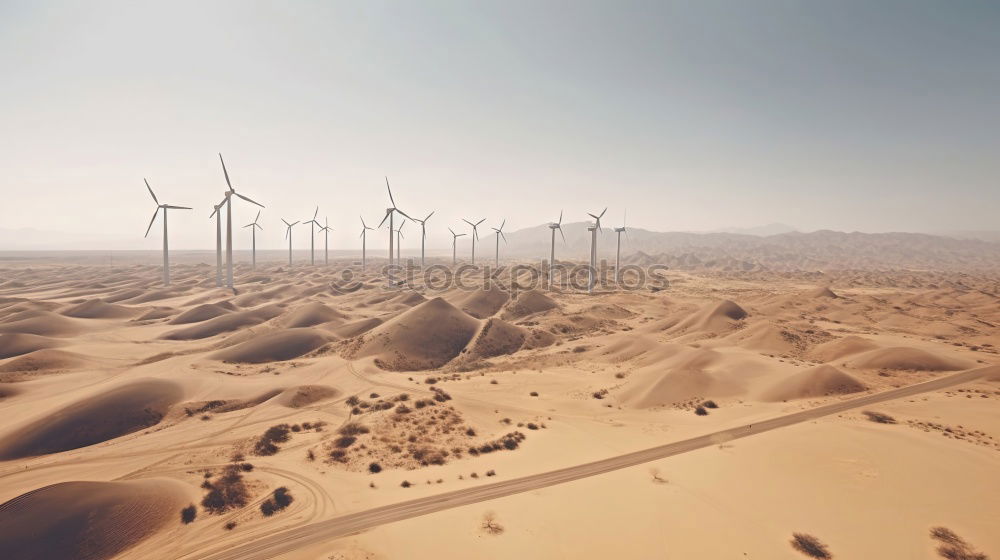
218, 240
253, 240
423, 235
229, 222
388, 216
454, 246
326, 241
500, 234
164, 207
399, 240
618, 251
364, 242
312, 237
288, 235
475, 236
593, 248
552, 251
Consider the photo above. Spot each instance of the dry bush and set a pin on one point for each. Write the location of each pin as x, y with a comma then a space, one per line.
278, 501
879, 417
406, 484
230, 525
188, 514
268, 443
227, 492
954, 547
709, 404
810, 546
374, 468
700, 411
345, 441
490, 524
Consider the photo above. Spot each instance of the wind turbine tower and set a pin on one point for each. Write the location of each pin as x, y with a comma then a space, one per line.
474, 236
229, 222
253, 240
500, 234
618, 250
312, 237
454, 246
593, 248
164, 207
552, 250
423, 236
364, 242
389, 216
288, 235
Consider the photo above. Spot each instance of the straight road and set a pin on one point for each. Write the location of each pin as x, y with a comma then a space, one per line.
306, 535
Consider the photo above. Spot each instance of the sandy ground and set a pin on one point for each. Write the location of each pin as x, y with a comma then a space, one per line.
162, 397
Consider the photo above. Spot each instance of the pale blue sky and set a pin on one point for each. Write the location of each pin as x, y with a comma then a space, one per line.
848, 115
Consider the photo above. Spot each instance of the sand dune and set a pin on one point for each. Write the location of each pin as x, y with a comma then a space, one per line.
45, 360
481, 303
106, 415
902, 358
528, 303
713, 318
99, 309
203, 312
311, 314
42, 323
820, 381
17, 344
842, 347
425, 337
275, 346
225, 323
495, 337
352, 329
86, 520
305, 395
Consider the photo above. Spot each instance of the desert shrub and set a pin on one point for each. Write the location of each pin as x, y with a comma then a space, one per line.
230, 525
709, 404
345, 441
532, 426
494, 382
470, 432
373, 396
954, 547
279, 500
188, 514
374, 468
620, 375
310, 455
339, 455
491, 472
810, 546
246, 467
406, 484
268, 443
353, 429
879, 417
296, 428
228, 491
700, 411
600, 394
490, 524
402, 409
431, 380
533, 393
353, 400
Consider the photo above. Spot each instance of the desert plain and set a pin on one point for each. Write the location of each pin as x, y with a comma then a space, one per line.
715, 415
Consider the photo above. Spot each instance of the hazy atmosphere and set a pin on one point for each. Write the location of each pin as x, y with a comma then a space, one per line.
694, 116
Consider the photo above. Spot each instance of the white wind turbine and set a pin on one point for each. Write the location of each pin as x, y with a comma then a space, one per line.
288, 235
326, 241
229, 222
618, 251
399, 241
312, 237
364, 242
253, 240
552, 250
218, 240
474, 236
164, 207
423, 235
389, 216
454, 246
500, 234
593, 248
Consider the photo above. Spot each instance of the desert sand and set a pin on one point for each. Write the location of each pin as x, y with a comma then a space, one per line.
712, 418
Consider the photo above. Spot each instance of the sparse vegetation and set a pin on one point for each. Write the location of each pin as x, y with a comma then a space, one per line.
406, 484
490, 524
810, 546
879, 417
534, 393
600, 394
188, 514
226, 492
268, 443
700, 411
374, 468
954, 547
709, 404
278, 501
229, 526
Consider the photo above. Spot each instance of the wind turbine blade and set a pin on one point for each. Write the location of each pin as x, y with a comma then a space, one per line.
503, 224
155, 212
177, 207
390, 192
151, 192
603, 211
627, 236
224, 172
385, 218
624, 217
259, 226
248, 199
316, 213
560, 218
286, 222
480, 221
452, 232
248, 225
429, 215
476, 231
363, 224
293, 223
214, 210
468, 222
287, 231
563, 235
503, 236
257, 218
403, 213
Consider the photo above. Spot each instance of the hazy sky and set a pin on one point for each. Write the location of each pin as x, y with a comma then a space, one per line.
848, 115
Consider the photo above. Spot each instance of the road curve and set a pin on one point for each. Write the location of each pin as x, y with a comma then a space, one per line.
291, 539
